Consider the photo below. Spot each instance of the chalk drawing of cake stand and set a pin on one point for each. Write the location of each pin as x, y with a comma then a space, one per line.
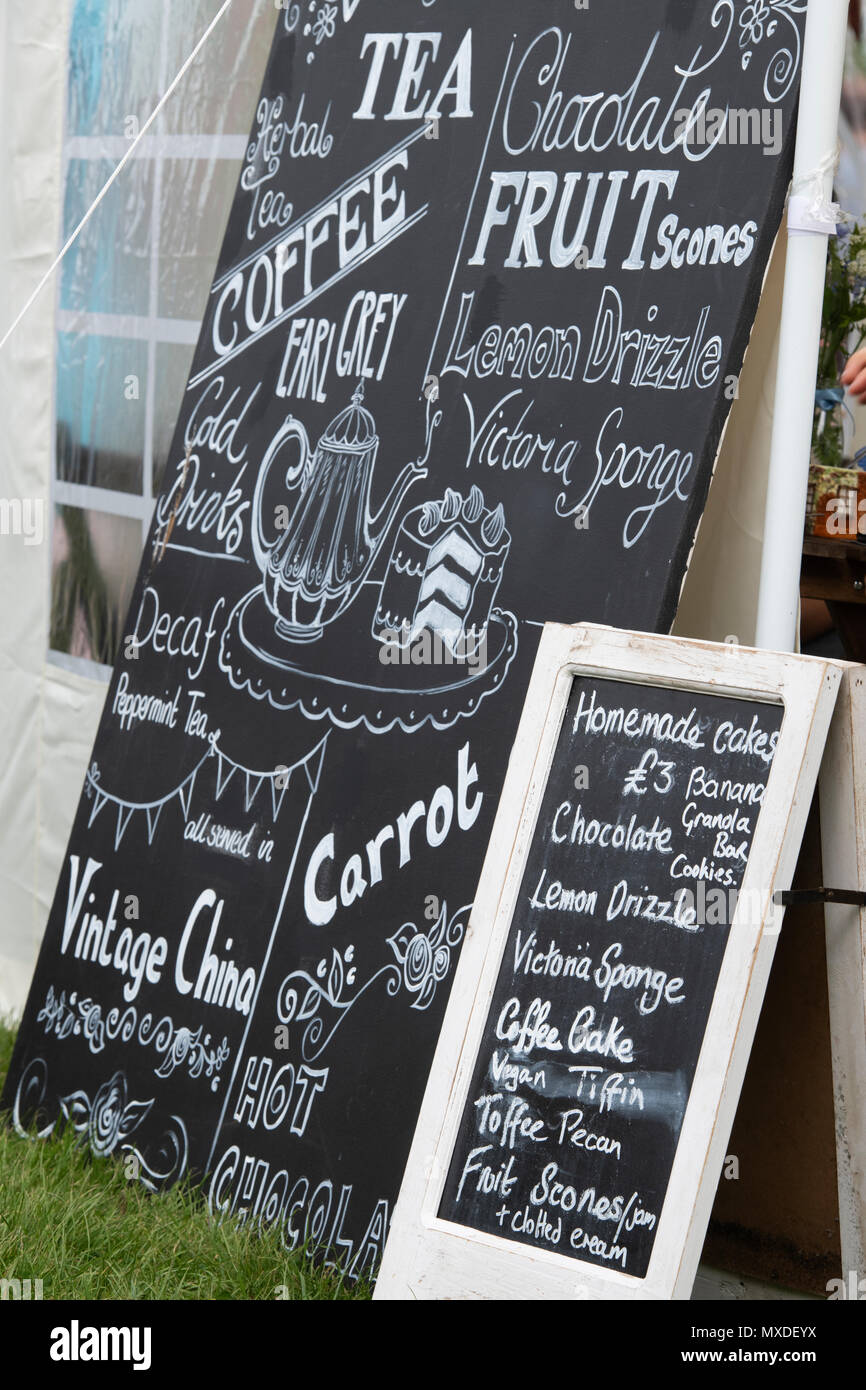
342, 677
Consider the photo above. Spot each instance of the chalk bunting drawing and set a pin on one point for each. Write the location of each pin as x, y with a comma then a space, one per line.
276, 779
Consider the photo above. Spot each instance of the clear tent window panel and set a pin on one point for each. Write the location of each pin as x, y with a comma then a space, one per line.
132, 288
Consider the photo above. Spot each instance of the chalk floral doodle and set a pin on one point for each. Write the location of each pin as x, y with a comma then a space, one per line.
425, 957
178, 1045
187, 1048
752, 22
323, 1001
28, 1107
325, 24
106, 1124
109, 1119
760, 20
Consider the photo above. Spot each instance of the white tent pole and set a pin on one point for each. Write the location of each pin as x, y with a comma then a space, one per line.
788, 480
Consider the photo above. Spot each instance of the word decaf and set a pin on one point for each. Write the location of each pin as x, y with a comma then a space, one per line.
174, 635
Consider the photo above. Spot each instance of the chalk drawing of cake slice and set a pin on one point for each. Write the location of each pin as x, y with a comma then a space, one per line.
445, 569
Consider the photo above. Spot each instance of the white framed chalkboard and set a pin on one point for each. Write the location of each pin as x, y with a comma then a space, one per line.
576, 1117
471, 341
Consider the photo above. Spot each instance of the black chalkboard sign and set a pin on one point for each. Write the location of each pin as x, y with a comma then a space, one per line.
591, 1055
482, 299
610, 968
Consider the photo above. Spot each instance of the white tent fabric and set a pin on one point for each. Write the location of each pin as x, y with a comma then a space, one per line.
719, 600
48, 716
48, 713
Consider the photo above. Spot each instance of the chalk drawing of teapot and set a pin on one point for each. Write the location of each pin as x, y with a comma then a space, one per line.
316, 567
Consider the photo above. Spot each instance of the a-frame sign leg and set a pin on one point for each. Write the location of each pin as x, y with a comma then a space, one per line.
843, 835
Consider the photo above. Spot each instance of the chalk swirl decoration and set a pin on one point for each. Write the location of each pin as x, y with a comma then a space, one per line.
759, 20
177, 1044
323, 1001
105, 1124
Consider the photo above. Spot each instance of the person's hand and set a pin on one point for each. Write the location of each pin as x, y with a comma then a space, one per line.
854, 375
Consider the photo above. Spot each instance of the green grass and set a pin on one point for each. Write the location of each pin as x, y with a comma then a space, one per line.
76, 1223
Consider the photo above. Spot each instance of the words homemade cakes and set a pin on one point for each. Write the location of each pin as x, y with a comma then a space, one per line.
444, 572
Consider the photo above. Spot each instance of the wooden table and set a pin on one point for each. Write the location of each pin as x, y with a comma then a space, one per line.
835, 571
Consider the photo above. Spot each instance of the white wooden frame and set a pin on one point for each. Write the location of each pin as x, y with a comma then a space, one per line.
842, 786
429, 1258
